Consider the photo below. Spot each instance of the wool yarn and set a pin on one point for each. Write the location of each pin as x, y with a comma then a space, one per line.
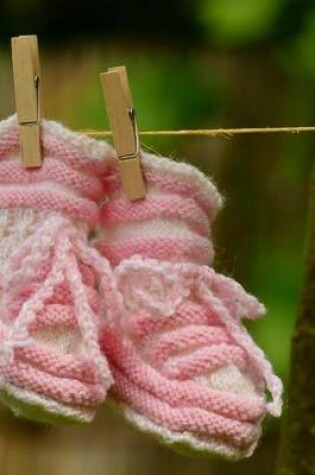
51, 366
185, 369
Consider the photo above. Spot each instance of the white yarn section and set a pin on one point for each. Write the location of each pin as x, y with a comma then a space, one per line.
8, 124
15, 226
151, 286
149, 229
65, 342
186, 439
34, 399
229, 379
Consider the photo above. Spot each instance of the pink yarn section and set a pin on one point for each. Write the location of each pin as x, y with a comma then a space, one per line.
50, 319
196, 250
185, 368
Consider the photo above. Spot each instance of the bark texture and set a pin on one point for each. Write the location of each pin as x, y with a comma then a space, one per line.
297, 446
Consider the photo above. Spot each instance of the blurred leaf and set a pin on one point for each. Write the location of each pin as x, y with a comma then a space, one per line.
298, 58
239, 21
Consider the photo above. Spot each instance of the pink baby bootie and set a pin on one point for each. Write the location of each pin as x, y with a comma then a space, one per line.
185, 369
51, 366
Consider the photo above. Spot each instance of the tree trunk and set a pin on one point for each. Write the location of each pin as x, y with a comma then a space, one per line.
297, 447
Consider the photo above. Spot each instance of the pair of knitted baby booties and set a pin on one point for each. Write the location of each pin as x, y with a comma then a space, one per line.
99, 293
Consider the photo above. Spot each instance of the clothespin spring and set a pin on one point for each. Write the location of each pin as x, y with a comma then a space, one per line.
135, 154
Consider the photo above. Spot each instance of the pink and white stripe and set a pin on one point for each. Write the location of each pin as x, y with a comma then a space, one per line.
172, 223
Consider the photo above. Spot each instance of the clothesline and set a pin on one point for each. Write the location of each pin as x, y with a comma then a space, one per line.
227, 133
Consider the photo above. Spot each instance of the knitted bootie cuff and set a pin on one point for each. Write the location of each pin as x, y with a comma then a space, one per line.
172, 223
76, 149
175, 177
69, 180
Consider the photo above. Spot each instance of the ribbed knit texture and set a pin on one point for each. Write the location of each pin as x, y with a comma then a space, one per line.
185, 368
51, 366
172, 223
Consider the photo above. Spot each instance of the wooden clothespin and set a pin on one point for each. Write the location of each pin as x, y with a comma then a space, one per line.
27, 86
123, 124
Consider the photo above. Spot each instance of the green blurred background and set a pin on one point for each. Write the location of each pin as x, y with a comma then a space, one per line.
191, 64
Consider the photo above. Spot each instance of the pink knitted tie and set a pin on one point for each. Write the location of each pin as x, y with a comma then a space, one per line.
185, 369
51, 365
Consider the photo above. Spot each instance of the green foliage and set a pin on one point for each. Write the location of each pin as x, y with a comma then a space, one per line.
168, 92
278, 284
236, 22
298, 55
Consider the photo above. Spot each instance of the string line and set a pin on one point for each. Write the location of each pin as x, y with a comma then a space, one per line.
225, 133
